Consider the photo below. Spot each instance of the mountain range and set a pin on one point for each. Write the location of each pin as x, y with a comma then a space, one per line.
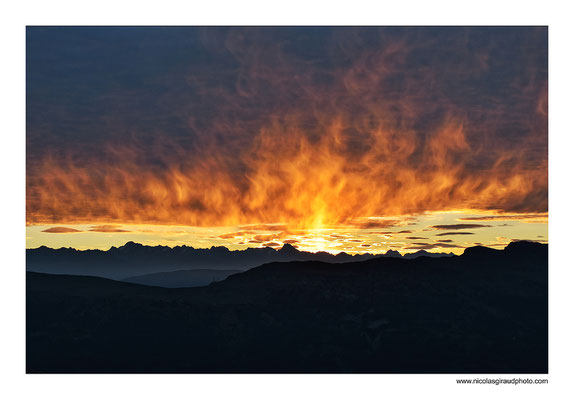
134, 259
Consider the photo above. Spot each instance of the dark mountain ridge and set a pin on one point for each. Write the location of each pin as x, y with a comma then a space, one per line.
485, 311
182, 278
134, 259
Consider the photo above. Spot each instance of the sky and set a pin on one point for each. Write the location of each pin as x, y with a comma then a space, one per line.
328, 138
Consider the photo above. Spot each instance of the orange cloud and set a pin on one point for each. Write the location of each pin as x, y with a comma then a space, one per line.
264, 227
454, 233
61, 229
512, 217
107, 229
459, 226
370, 123
427, 246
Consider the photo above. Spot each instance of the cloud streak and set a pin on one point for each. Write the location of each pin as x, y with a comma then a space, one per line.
454, 233
61, 229
513, 217
459, 226
430, 246
107, 229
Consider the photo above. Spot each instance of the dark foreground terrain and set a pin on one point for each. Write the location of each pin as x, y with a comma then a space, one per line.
483, 312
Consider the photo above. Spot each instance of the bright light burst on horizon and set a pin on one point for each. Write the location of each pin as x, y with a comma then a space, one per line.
413, 234
334, 139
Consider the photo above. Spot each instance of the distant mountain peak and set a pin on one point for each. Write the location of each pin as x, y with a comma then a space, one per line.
479, 251
523, 244
288, 249
132, 245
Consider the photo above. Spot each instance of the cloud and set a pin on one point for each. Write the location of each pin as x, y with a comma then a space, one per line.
264, 227
542, 217
271, 237
232, 235
377, 224
415, 238
405, 232
228, 236
433, 246
444, 240
246, 134
107, 229
459, 226
454, 233
263, 238
61, 229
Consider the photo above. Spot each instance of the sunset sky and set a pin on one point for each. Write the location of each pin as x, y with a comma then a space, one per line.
330, 139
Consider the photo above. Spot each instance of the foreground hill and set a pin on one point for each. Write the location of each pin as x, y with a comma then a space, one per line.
134, 259
485, 311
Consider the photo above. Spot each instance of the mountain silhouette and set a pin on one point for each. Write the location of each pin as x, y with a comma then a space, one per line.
134, 259
392, 253
485, 311
424, 253
182, 278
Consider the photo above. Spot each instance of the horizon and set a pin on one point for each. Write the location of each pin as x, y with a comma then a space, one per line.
335, 139
288, 245
443, 232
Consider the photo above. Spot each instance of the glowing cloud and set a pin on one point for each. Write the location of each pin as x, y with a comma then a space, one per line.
305, 127
454, 233
61, 229
459, 226
107, 229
